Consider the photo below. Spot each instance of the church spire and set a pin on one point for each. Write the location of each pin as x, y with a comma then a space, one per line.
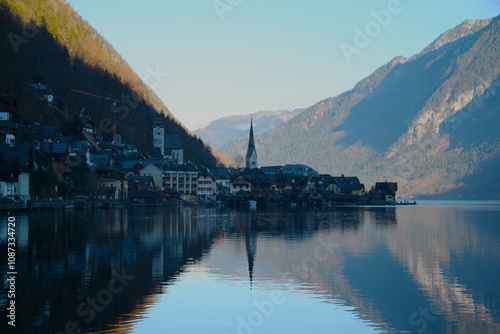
251, 158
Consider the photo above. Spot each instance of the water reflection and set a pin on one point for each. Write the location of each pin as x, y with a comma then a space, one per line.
430, 268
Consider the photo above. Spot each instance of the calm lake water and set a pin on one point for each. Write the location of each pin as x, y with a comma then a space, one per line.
430, 268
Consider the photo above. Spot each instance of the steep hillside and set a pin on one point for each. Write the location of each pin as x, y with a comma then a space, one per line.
224, 130
430, 122
48, 42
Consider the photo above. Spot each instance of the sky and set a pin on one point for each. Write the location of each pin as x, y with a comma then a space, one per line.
207, 59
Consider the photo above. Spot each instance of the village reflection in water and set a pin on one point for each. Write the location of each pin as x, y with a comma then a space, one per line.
427, 268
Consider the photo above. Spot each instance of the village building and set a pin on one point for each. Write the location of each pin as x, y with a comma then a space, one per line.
206, 186
223, 177
384, 192
112, 184
260, 182
79, 153
170, 146
298, 170
44, 92
7, 132
240, 183
349, 185
159, 135
282, 183
181, 178
16, 164
155, 171
173, 149
7, 125
141, 190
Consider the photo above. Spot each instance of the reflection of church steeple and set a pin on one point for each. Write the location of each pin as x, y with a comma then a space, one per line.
251, 248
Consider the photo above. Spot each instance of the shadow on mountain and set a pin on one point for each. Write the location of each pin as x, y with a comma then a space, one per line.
381, 118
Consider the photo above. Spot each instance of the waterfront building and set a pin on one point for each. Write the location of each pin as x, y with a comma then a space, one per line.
16, 164
206, 186
181, 178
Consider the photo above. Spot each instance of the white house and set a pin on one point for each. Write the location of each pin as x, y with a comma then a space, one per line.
181, 178
16, 162
206, 186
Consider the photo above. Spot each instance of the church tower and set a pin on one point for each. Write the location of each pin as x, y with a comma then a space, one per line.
159, 135
251, 159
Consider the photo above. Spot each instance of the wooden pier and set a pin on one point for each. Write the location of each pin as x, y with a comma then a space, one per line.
60, 205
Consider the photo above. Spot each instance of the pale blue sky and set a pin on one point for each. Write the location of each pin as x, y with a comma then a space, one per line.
265, 54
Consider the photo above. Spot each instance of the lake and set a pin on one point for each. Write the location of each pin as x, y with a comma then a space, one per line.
429, 268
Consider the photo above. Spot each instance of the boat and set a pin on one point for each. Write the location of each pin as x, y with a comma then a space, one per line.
405, 202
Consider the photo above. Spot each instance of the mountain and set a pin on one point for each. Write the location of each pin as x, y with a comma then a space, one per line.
48, 43
224, 130
430, 122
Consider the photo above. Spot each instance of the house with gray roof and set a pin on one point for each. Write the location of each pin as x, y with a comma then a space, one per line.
16, 162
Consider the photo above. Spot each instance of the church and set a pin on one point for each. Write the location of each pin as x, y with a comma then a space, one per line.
251, 157
170, 146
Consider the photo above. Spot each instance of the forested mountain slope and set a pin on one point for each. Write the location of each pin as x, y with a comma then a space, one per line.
48, 42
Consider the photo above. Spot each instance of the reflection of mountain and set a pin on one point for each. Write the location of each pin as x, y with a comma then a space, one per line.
388, 264
450, 260
70, 258
430, 261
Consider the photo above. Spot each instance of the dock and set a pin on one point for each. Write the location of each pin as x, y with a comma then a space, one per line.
61, 205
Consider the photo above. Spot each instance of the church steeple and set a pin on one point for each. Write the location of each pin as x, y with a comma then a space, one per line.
251, 158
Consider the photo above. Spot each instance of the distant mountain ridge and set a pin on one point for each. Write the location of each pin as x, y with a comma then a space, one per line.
464, 29
430, 122
223, 130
